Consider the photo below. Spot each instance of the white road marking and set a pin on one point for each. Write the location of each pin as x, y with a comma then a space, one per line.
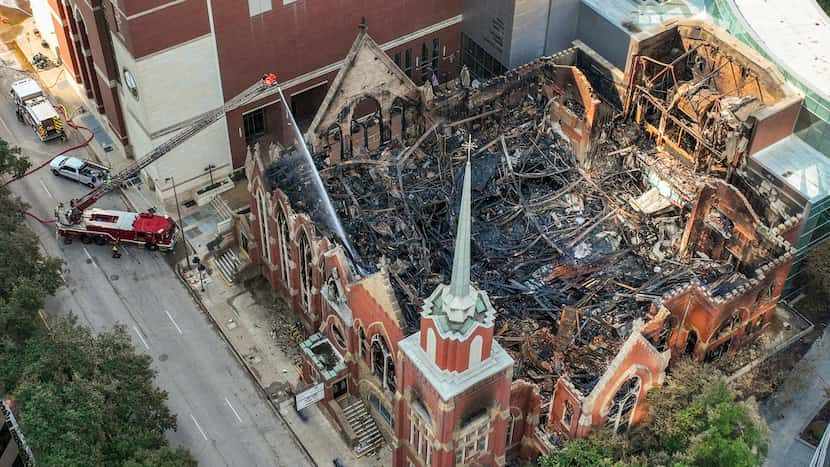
9, 130
173, 321
45, 189
197, 426
233, 410
141, 337
90, 257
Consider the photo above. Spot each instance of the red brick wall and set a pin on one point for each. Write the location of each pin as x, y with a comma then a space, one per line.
161, 29
97, 73
280, 41
447, 416
454, 355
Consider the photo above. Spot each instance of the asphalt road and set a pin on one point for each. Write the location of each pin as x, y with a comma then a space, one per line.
222, 419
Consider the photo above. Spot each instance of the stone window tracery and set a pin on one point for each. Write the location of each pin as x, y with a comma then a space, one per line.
421, 437
305, 273
283, 239
621, 407
567, 414
472, 440
383, 365
263, 227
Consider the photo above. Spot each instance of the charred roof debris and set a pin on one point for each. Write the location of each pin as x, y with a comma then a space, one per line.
599, 200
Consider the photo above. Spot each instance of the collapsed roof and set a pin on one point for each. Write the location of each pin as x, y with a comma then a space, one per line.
573, 236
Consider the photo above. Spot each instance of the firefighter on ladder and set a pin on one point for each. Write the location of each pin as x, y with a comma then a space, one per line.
115, 253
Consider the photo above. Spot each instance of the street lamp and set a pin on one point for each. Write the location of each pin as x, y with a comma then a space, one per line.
181, 225
209, 170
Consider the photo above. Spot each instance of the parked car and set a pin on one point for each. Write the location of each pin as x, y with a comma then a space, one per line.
88, 173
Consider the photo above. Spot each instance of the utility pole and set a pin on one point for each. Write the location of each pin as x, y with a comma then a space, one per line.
181, 225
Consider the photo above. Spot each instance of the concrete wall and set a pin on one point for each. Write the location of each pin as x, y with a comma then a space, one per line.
562, 25
489, 21
606, 38
531, 28
173, 86
530, 25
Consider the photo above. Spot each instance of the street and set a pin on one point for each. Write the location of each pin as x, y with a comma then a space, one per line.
222, 418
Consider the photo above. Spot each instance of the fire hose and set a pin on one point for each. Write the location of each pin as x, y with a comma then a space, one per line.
73, 125
31, 171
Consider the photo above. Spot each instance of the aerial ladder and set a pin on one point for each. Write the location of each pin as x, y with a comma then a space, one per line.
74, 214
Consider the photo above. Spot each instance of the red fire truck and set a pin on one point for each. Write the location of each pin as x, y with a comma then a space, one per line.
154, 231
104, 226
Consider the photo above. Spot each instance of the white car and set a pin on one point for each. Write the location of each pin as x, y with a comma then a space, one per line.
88, 173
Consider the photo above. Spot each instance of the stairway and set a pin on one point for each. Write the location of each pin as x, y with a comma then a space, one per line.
368, 438
218, 203
228, 265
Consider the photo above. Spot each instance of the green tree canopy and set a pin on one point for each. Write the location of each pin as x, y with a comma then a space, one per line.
79, 389
694, 420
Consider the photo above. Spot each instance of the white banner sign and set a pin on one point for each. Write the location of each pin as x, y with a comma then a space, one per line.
310, 396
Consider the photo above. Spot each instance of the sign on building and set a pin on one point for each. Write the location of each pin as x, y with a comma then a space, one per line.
310, 396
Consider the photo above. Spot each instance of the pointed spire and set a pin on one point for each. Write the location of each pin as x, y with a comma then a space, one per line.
461, 298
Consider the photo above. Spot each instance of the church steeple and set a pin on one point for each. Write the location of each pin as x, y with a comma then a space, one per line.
460, 298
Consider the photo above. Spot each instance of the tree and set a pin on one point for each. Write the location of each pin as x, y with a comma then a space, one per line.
89, 399
694, 420
26, 277
164, 457
11, 162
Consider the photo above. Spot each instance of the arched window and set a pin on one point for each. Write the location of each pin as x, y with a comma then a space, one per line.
283, 238
263, 227
383, 365
662, 341
362, 345
621, 407
512, 424
339, 338
691, 342
305, 273
567, 414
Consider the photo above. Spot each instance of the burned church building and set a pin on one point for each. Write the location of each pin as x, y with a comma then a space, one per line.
519, 260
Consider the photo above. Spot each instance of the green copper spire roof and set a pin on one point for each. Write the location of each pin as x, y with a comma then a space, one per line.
460, 301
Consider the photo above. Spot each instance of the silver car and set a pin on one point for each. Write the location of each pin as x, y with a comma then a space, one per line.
88, 173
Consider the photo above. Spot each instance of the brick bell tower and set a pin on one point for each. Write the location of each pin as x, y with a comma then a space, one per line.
454, 405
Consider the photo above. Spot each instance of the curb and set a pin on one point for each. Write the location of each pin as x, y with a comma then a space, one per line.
274, 408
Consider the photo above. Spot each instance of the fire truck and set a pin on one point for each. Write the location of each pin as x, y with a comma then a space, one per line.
33, 108
154, 231
104, 226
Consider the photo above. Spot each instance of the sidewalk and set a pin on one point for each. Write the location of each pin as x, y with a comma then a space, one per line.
58, 83
793, 406
250, 329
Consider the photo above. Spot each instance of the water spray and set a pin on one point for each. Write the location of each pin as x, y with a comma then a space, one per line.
332, 215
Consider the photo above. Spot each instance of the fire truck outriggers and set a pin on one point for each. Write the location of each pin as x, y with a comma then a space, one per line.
154, 231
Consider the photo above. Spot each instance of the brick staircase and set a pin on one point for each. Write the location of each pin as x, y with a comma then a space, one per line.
228, 265
367, 436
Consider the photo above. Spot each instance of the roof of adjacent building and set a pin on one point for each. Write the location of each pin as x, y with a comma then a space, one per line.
796, 33
799, 165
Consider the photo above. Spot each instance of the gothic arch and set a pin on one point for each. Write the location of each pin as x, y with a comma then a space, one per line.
622, 406
264, 230
283, 240
305, 257
383, 364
